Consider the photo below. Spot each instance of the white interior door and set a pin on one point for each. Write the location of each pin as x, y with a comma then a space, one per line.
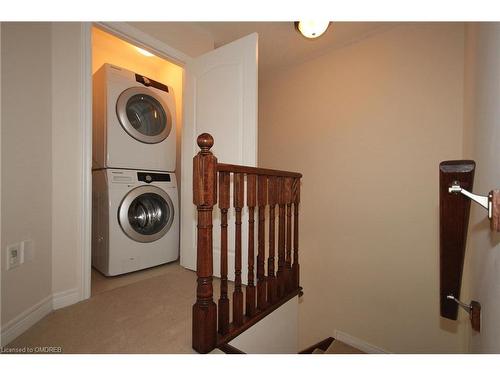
220, 99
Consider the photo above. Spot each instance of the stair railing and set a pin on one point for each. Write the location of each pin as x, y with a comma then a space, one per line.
264, 188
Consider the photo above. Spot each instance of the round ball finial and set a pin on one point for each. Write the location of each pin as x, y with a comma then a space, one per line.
205, 142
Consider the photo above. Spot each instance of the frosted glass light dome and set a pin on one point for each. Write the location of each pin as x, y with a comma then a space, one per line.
312, 29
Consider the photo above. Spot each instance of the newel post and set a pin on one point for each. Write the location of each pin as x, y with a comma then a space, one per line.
204, 197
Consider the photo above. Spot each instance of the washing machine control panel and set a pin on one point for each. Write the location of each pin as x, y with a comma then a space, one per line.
151, 177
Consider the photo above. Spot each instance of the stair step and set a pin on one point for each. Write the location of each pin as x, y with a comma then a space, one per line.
338, 347
216, 351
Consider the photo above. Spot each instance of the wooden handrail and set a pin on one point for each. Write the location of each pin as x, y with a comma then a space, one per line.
255, 170
265, 188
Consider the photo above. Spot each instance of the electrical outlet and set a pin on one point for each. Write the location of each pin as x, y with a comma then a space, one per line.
14, 256
27, 251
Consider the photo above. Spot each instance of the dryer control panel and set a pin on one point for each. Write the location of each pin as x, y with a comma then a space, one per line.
151, 82
149, 177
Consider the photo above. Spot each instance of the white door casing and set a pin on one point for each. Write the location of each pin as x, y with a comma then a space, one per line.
137, 37
220, 99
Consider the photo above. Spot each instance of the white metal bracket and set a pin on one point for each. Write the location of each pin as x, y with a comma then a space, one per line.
484, 201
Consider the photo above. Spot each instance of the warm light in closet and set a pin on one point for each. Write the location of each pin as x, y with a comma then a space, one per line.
144, 52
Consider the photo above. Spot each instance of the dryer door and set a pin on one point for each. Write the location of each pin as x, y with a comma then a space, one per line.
146, 213
144, 115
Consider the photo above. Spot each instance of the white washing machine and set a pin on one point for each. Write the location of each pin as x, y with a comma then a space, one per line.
135, 220
133, 121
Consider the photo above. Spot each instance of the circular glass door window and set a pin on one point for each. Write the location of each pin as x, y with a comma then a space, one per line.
146, 115
146, 215
143, 115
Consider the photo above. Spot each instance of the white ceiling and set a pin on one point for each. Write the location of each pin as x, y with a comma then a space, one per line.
281, 45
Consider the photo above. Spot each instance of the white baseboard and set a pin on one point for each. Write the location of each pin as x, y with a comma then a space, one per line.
25, 320
358, 343
65, 298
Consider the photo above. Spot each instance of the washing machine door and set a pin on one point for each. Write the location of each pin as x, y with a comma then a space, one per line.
146, 213
144, 115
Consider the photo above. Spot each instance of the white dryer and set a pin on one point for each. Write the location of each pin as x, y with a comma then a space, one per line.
133, 121
135, 220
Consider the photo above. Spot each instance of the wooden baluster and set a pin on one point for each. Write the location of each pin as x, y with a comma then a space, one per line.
251, 201
261, 255
296, 201
272, 200
288, 257
238, 205
281, 237
224, 183
204, 197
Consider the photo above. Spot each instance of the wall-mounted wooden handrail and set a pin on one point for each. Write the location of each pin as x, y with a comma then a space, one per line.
456, 179
264, 188
454, 220
495, 210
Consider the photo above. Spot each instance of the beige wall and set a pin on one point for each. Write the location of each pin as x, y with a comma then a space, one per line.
26, 162
482, 279
367, 125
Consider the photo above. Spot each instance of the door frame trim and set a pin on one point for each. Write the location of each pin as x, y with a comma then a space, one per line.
139, 38
86, 161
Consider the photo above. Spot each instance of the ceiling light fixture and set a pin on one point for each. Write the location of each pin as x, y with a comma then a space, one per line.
144, 52
312, 29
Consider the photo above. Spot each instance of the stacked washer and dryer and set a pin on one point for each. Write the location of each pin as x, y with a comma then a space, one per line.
135, 215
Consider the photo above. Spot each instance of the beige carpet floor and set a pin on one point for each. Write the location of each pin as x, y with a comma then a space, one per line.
101, 283
142, 312
147, 316
147, 312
